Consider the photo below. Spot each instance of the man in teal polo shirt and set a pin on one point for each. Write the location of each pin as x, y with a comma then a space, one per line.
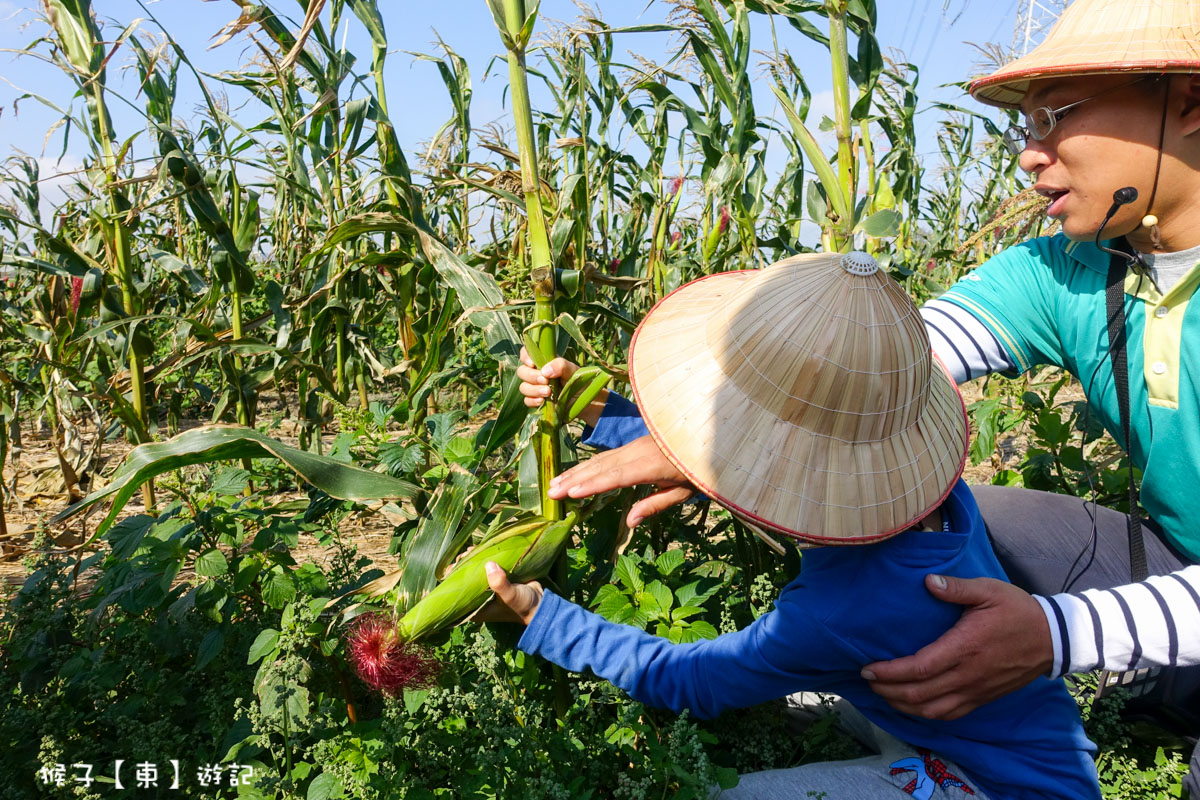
1061, 329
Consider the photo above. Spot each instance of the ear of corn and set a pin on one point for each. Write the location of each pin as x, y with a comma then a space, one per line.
581, 389
525, 550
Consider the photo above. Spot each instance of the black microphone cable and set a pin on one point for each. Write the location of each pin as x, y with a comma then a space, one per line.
1121, 197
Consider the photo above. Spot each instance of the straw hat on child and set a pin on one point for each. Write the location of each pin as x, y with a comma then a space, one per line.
1099, 37
803, 397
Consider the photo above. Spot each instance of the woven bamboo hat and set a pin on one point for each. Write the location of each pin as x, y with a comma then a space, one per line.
803, 397
1096, 37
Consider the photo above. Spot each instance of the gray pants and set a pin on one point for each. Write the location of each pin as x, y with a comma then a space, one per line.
1045, 544
900, 771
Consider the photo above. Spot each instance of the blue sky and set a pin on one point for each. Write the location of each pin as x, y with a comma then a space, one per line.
934, 34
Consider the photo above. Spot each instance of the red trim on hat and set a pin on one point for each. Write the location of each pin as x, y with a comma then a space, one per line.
1000, 78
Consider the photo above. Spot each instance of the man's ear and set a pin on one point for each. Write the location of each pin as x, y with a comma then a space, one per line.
1189, 115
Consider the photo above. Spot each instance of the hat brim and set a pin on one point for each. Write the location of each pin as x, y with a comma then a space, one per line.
788, 479
1006, 88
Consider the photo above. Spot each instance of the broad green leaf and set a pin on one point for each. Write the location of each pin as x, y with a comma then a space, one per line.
883, 223
648, 603
669, 561
662, 595
324, 787
210, 648
683, 612
211, 562
126, 536
627, 573
226, 443
264, 643
278, 588
698, 630
229, 481
986, 415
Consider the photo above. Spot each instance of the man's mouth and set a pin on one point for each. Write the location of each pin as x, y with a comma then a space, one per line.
1057, 198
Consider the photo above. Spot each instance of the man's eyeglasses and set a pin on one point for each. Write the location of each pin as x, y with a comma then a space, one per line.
1041, 121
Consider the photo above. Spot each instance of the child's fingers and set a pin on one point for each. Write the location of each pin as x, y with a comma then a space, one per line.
534, 391
522, 598
498, 580
531, 375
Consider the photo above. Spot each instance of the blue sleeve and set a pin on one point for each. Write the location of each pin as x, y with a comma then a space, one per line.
735, 670
619, 424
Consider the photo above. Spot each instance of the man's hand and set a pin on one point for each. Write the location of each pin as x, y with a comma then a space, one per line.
1001, 643
637, 463
514, 602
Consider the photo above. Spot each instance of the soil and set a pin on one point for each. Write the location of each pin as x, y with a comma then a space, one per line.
27, 513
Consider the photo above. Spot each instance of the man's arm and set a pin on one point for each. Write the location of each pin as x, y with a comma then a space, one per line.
965, 346
1152, 623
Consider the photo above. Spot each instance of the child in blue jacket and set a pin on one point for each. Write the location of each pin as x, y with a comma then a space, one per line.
818, 368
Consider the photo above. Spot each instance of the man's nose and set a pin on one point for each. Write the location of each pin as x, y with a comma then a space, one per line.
1035, 156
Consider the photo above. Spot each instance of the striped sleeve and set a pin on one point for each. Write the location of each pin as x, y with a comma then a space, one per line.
1152, 623
960, 340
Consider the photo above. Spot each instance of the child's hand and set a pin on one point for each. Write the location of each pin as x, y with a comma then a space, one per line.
519, 601
535, 384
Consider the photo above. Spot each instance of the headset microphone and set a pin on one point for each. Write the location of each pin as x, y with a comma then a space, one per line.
1124, 196
1121, 197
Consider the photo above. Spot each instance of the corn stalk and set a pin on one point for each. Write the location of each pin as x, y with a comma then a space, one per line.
515, 22
80, 43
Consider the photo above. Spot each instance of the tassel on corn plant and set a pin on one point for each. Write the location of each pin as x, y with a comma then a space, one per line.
387, 655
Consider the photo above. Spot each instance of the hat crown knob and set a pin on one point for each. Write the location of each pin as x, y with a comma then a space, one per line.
859, 263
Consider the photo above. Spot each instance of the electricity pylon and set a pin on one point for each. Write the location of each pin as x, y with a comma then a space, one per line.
1034, 20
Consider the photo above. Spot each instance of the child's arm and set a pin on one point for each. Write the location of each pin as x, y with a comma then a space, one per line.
760, 663
610, 420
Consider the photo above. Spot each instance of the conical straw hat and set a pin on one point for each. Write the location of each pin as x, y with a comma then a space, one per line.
803, 397
1096, 37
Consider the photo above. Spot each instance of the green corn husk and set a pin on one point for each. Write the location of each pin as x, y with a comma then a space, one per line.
579, 391
525, 550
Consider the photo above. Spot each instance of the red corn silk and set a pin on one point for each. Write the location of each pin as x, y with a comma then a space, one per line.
76, 293
383, 660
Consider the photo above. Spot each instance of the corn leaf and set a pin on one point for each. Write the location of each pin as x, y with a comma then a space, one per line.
440, 534
227, 442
